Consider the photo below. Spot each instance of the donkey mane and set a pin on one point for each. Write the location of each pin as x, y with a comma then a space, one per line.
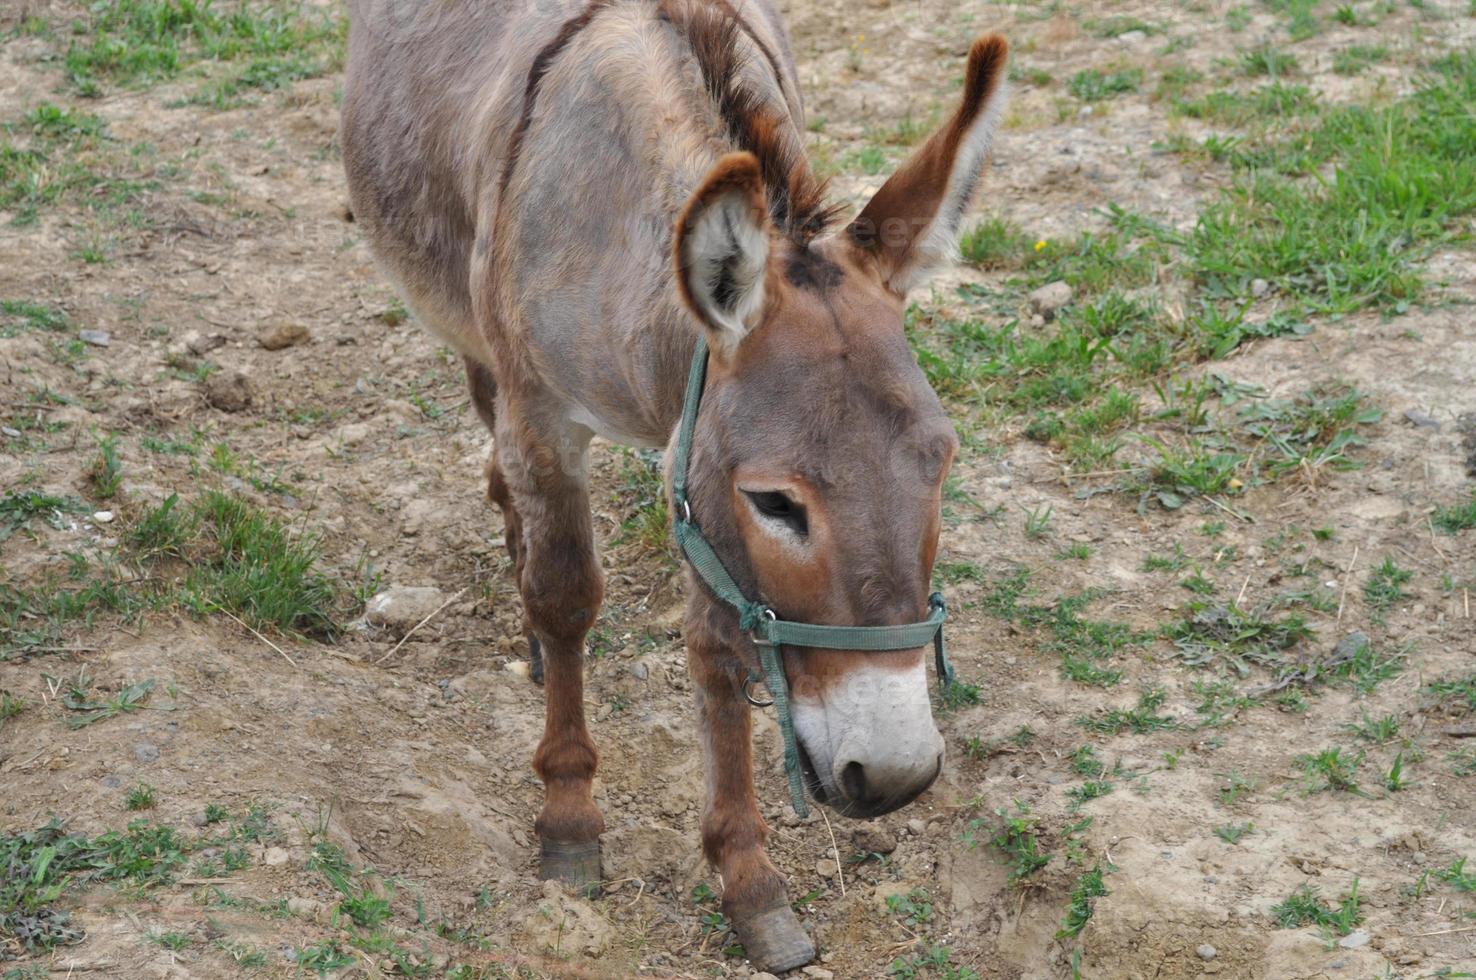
713, 28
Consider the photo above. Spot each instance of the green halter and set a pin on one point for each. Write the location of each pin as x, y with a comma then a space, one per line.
768, 631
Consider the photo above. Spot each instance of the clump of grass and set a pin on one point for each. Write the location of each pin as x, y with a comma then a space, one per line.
1240, 638
1379, 730
914, 908
1385, 585
19, 507
1016, 838
259, 570
37, 867
994, 243
1456, 518
1140, 719
141, 797
1355, 59
17, 315
1266, 60
1088, 888
107, 469
1093, 85
1332, 770
1304, 907
1231, 833
1458, 690
642, 497
1457, 876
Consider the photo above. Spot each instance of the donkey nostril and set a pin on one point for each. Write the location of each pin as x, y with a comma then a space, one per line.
853, 780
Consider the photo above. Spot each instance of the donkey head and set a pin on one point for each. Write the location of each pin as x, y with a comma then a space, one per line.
820, 452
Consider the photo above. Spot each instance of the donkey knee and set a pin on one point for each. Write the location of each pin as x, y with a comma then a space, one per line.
562, 597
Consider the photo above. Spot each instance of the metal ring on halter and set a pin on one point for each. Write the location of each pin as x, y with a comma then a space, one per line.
686, 512
753, 679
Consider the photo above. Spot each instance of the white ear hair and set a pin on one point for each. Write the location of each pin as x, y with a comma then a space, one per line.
724, 255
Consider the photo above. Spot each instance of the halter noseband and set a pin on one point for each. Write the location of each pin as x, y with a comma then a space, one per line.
763, 625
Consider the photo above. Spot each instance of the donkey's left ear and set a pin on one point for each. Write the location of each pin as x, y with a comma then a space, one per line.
722, 252
910, 227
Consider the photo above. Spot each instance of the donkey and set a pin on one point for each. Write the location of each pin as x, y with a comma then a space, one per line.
571, 193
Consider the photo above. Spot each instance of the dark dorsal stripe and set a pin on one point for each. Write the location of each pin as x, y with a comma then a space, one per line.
541, 64
796, 197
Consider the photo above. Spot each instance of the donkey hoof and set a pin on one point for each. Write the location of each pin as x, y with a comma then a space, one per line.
773, 938
573, 863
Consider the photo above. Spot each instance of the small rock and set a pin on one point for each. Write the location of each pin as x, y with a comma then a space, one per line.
400, 607
8, 431
281, 333
1049, 298
275, 856
146, 752
818, 972
763, 976
304, 906
875, 840
203, 343
916, 827
1206, 952
1420, 420
229, 391
826, 868
97, 338
640, 671
1355, 939
355, 433
103, 517
1259, 288
1349, 647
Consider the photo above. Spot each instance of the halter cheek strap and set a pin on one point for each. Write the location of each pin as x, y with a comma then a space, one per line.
768, 631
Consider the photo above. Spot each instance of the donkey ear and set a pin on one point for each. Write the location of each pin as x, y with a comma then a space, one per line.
722, 251
910, 227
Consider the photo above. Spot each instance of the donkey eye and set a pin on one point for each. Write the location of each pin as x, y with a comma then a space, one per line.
778, 507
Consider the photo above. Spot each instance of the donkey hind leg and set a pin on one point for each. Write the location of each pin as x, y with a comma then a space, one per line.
562, 586
484, 397
733, 832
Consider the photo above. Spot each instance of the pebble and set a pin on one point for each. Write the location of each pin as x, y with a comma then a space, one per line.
228, 390
280, 334
275, 856
1259, 288
146, 752
97, 338
103, 517
875, 840
1049, 298
400, 607
917, 827
826, 868
1206, 952
1355, 939
763, 976
818, 972
203, 343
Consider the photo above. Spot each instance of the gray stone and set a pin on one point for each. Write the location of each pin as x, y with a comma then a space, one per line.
874, 840
1259, 288
203, 343
1049, 298
826, 868
400, 607
97, 338
818, 972
1356, 939
146, 752
1206, 952
228, 390
279, 334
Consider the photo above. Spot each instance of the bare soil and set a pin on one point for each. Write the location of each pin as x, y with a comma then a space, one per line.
417, 755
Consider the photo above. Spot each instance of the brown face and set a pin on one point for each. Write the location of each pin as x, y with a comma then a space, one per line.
833, 450
819, 455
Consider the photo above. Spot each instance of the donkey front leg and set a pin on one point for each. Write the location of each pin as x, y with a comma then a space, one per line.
733, 833
561, 585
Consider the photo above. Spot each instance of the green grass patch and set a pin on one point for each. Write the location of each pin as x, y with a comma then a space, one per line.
1456, 518
136, 42
1088, 888
1304, 907
1140, 719
1093, 85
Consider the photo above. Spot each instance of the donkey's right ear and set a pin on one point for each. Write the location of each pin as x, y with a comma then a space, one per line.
722, 247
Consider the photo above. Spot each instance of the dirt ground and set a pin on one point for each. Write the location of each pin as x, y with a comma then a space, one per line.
414, 757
